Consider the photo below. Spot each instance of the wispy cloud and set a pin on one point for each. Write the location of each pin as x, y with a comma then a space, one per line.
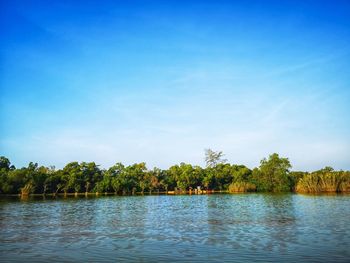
132, 83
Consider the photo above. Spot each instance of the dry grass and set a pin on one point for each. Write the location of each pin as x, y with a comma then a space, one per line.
241, 187
324, 182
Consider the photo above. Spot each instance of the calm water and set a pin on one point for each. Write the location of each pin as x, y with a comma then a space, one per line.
220, 228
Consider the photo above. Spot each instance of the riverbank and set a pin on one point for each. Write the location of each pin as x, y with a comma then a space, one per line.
75, 179
202, 192
169, 193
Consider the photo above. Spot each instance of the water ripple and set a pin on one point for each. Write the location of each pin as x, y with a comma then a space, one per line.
215, 228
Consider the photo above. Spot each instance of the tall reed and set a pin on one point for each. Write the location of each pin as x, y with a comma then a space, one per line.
240, 187
318, 182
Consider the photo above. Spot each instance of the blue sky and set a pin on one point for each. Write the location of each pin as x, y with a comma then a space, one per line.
160, 81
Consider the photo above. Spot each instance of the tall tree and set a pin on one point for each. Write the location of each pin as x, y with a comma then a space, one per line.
273, 174
213, 158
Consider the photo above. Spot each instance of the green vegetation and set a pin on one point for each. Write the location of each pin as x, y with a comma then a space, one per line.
273, 175
325, 180
241, 187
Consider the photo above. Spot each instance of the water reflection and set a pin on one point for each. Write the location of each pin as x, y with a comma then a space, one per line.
220, 228
279, 221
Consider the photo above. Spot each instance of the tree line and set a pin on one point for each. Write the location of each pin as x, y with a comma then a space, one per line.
273, 175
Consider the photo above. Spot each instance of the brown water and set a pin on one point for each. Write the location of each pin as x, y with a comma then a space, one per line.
214, 228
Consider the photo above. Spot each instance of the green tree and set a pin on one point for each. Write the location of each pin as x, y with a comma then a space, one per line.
115, 173
53, 182
155, 177
91, 174
273, 174
131, 176
72, 177
167, 180
5, 164
5, 184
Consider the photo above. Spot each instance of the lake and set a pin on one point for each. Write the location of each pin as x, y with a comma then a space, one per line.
184, 228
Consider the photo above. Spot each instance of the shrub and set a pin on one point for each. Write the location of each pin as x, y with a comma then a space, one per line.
324, 181
240, 187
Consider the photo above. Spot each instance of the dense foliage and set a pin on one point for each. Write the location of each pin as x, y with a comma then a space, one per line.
273, 175
325, 180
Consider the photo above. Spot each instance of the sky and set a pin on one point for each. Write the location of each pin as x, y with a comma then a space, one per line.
160, 81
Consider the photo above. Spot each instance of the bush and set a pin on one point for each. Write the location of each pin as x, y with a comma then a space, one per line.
241, 187
324, 181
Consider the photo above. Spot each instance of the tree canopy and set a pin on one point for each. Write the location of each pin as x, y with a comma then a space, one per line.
273, 175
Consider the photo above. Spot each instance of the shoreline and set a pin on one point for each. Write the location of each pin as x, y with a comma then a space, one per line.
171, 193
